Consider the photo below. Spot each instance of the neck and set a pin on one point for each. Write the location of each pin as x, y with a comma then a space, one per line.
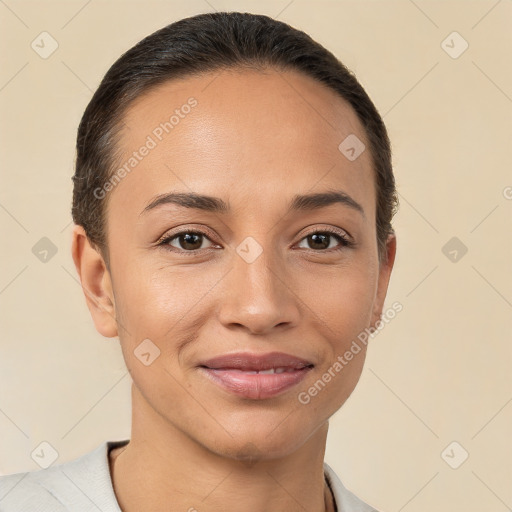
162, 465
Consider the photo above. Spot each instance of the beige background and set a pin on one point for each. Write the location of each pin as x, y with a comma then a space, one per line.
439, 372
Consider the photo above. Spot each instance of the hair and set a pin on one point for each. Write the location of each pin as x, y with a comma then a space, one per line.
196, 45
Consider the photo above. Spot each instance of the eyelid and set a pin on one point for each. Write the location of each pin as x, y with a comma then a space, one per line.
346, 241
180, 230
329, 229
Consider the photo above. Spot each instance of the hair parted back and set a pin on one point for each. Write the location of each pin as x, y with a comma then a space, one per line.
199, 44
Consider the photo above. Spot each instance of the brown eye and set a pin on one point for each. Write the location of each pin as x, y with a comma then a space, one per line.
322, 240
319, 241
186, 240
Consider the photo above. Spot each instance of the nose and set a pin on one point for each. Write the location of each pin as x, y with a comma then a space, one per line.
258, 296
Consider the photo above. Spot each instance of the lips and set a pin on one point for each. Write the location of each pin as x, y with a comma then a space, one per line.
256, 376
256, 362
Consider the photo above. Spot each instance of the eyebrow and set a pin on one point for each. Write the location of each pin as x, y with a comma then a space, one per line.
212, 204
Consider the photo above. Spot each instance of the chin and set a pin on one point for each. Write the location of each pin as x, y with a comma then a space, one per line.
256, 450
252, 442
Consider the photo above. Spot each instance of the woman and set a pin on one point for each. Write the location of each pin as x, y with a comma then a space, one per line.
232, 201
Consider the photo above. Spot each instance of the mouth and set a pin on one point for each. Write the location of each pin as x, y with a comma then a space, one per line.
256, 376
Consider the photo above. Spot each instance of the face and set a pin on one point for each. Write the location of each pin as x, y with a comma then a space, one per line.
257, 270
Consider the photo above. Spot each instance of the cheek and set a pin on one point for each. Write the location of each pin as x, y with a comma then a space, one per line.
342, 309
162, 309
342, 302
153, 302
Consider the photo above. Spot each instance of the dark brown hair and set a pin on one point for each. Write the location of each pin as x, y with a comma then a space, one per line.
195, 45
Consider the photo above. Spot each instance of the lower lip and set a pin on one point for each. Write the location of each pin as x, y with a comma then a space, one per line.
256, 386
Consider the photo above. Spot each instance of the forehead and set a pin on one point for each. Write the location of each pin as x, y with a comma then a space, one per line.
245, 135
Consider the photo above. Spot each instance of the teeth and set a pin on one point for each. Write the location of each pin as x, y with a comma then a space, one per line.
271, 371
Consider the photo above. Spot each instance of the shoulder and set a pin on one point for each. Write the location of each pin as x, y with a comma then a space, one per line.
346, 501
29, 491
76, 485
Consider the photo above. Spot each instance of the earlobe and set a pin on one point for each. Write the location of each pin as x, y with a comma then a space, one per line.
385, 268
96, 283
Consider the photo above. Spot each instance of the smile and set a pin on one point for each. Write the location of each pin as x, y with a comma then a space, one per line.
256, 376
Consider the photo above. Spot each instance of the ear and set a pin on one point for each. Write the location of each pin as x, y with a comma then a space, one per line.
385, 268
96, 283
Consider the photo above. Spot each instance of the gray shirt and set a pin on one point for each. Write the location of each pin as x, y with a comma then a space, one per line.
84, 485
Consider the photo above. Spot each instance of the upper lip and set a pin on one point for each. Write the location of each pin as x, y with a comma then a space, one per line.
255, 362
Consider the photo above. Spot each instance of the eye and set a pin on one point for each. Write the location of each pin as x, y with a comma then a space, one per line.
191, 241
326, 240
186, 241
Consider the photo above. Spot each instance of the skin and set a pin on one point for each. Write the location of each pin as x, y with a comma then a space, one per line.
255, 139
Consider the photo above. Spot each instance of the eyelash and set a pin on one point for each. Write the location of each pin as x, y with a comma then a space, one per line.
344, 241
